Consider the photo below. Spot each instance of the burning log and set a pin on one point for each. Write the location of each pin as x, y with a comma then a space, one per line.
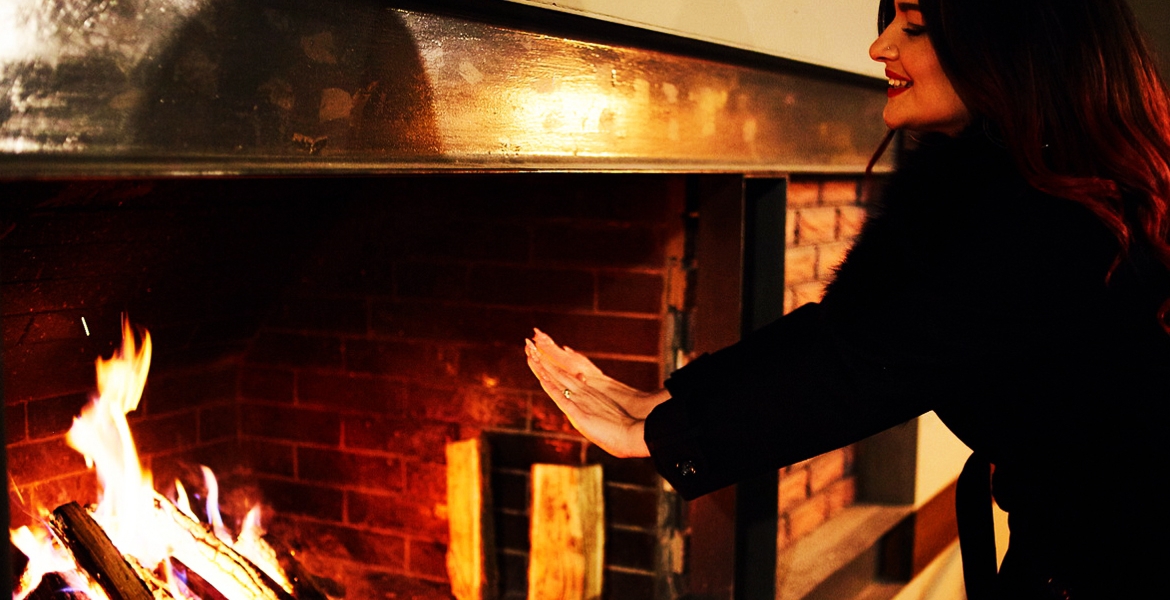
568, 533
229, 572
471, 553
96, 554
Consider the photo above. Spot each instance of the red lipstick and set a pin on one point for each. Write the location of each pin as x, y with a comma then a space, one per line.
893, 90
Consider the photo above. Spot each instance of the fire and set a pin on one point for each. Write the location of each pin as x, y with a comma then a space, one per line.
143, 525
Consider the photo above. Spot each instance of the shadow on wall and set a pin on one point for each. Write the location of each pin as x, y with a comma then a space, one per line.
317, 78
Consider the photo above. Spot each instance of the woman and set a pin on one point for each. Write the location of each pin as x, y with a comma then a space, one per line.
1013, 278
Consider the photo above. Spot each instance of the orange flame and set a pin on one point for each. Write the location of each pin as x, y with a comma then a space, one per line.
139, 521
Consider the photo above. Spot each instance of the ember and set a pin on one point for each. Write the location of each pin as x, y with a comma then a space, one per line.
136, 543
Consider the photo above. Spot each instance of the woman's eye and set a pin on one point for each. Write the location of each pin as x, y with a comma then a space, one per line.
914, 30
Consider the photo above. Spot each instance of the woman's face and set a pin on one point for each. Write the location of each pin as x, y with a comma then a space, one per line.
921, 98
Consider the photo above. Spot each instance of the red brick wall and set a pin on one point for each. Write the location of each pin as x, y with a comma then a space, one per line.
317, 342
824, 215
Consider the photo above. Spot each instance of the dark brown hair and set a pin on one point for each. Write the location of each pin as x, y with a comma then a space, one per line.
1072, 90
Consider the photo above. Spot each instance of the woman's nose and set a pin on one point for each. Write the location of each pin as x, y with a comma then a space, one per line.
883, 49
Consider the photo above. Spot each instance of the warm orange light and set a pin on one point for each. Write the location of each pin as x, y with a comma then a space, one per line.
140, 522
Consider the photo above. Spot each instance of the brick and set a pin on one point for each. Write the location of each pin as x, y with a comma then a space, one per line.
630, 292
632, 507
547, 417
290, 424
350, 392
15, 423
292, 498
803, 193
444, 238
421, 440
161, 434
426, 482
800, 265
804, 293
183, 391
851, 220
13, 326
518, 451
387, 551
434, 281
269, 384
400, 512
398, 359
369, 471
600, 245
37, 371
527, 286
497, 365
77, 487
322, 314
479, 406
54, 326
426, 558
218, 423
54, 416
392, 585
630, 549
790, 229
816, 226
789, 300
836, 192
806, 517
38, 461
268, 458
585, 332
830, 256
841, 495
826, 469
291, 350
793, 489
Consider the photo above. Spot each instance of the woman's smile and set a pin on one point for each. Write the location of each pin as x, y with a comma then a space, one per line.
921, 97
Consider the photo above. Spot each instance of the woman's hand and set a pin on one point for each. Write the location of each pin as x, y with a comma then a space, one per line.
609, 413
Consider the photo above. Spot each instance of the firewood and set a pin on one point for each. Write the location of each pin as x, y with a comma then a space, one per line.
471, 551
54, 587
565, 561
96, 554
229, 572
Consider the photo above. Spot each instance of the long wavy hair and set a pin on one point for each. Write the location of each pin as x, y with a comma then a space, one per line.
1073, 91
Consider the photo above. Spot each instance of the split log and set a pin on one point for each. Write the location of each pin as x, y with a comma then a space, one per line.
54, 587
96, 554
229, 572
471, 564
567, 533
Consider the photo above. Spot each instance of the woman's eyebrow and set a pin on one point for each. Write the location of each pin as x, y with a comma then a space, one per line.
909, 6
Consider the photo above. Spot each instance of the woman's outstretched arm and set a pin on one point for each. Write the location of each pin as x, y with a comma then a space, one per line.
607, 412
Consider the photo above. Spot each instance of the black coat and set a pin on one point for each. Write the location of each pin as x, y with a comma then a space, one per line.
972, 294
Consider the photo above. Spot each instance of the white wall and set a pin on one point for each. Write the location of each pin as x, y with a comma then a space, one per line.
833, 33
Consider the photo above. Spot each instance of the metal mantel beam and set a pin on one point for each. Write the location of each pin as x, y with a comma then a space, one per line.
239, 87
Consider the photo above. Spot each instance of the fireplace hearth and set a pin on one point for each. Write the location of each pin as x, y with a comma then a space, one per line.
339, 237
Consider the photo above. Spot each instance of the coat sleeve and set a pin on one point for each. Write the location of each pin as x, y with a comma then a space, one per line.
790, 391
941, 292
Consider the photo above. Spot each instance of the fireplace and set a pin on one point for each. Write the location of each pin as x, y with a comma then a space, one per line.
339, 240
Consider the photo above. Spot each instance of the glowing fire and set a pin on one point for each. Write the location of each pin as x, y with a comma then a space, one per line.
141, 523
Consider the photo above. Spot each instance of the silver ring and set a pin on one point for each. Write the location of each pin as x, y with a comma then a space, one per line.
568, 394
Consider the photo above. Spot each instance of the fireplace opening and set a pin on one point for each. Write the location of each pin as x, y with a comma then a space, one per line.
318, 341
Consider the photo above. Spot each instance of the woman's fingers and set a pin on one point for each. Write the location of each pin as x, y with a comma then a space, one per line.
573, 362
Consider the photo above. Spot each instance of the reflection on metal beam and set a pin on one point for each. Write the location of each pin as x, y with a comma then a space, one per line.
197, 87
